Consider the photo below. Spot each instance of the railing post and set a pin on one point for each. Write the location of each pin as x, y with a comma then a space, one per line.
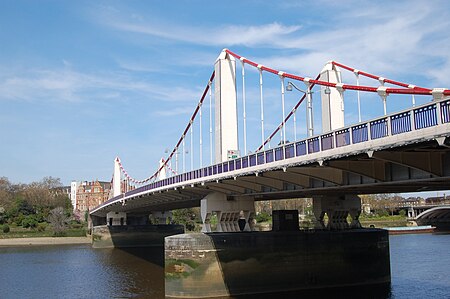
350, 137
439, 113
388, 124
413, 120
369, 134
438, 94
320, 143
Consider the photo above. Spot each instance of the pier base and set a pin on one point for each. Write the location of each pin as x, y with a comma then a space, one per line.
132, 235
229, 264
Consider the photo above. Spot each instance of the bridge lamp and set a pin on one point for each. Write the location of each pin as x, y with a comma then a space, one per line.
309, 110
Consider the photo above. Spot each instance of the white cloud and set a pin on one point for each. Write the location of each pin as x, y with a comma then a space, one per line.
390, 39
73, 86
225, 35
175, 111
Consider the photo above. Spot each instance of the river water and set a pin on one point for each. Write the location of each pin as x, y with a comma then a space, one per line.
420, 266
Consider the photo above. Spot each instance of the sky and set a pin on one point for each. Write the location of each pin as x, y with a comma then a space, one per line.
82, 82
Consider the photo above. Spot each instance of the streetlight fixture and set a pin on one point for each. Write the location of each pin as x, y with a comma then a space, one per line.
309, 110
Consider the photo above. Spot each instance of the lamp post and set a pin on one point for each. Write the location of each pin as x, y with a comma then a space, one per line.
309, 110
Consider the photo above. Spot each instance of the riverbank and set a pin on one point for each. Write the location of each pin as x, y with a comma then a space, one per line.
15, 242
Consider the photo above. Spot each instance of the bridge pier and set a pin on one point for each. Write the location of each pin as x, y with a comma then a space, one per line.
232, 215
119, 229
205, 265
337, 209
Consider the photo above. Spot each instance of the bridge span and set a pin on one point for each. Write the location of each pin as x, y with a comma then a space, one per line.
365, 158
404, 151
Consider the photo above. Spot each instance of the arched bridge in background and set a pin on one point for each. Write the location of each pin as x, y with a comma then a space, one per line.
438, 217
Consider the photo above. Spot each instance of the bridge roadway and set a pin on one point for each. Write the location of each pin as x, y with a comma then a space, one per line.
408, 151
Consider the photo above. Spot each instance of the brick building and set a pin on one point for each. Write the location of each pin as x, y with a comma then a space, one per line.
90, 194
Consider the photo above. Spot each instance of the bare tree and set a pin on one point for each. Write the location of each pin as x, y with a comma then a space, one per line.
6, 194
58, 220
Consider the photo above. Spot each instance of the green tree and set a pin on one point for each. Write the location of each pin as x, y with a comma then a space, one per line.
30, 221
263, 217
187, 217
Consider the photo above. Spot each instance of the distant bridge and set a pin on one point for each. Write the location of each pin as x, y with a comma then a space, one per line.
438, 216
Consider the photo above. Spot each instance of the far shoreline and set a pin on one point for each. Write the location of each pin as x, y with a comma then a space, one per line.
40, 241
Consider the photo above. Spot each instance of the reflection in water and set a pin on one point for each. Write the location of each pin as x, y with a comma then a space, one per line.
140, 270
78, 271
419, 265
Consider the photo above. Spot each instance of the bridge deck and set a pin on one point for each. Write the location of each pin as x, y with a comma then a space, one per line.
406, 151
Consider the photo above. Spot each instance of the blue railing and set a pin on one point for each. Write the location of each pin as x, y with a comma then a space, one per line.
360, 133
327, 141
378, 128
445, 111
425, 117
422, 117
300, 148
342, 137
313, 145
401, 123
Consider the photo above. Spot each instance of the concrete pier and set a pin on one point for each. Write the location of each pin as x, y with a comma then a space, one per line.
105, 236
229, 264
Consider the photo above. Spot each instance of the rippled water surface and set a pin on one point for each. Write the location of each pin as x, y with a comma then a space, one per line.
420, 266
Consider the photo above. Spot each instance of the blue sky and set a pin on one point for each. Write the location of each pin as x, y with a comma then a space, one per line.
82, 82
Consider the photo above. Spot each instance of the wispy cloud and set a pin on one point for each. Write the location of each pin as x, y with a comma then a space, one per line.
266, 34
386, 39
74, 86
175, 111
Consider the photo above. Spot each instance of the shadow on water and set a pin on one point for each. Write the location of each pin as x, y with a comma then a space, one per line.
140, 270
143, 267
153, 255
373, 292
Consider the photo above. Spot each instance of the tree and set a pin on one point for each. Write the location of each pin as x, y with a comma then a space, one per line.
6, 193
30, 221
186, 217
58, 220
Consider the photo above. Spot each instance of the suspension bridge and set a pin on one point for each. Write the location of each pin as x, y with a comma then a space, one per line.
404, 151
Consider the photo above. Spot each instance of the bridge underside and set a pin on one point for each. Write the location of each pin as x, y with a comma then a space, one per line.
438, 217
421, 166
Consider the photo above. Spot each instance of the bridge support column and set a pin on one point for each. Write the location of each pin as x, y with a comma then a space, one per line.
232, 215
337, 209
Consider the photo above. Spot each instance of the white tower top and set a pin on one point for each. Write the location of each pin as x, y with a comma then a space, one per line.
332, 99
226, 126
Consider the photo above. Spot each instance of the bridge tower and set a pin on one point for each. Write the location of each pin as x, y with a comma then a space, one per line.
162, 173
116, 178
332, 99
226, 126
229, 212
